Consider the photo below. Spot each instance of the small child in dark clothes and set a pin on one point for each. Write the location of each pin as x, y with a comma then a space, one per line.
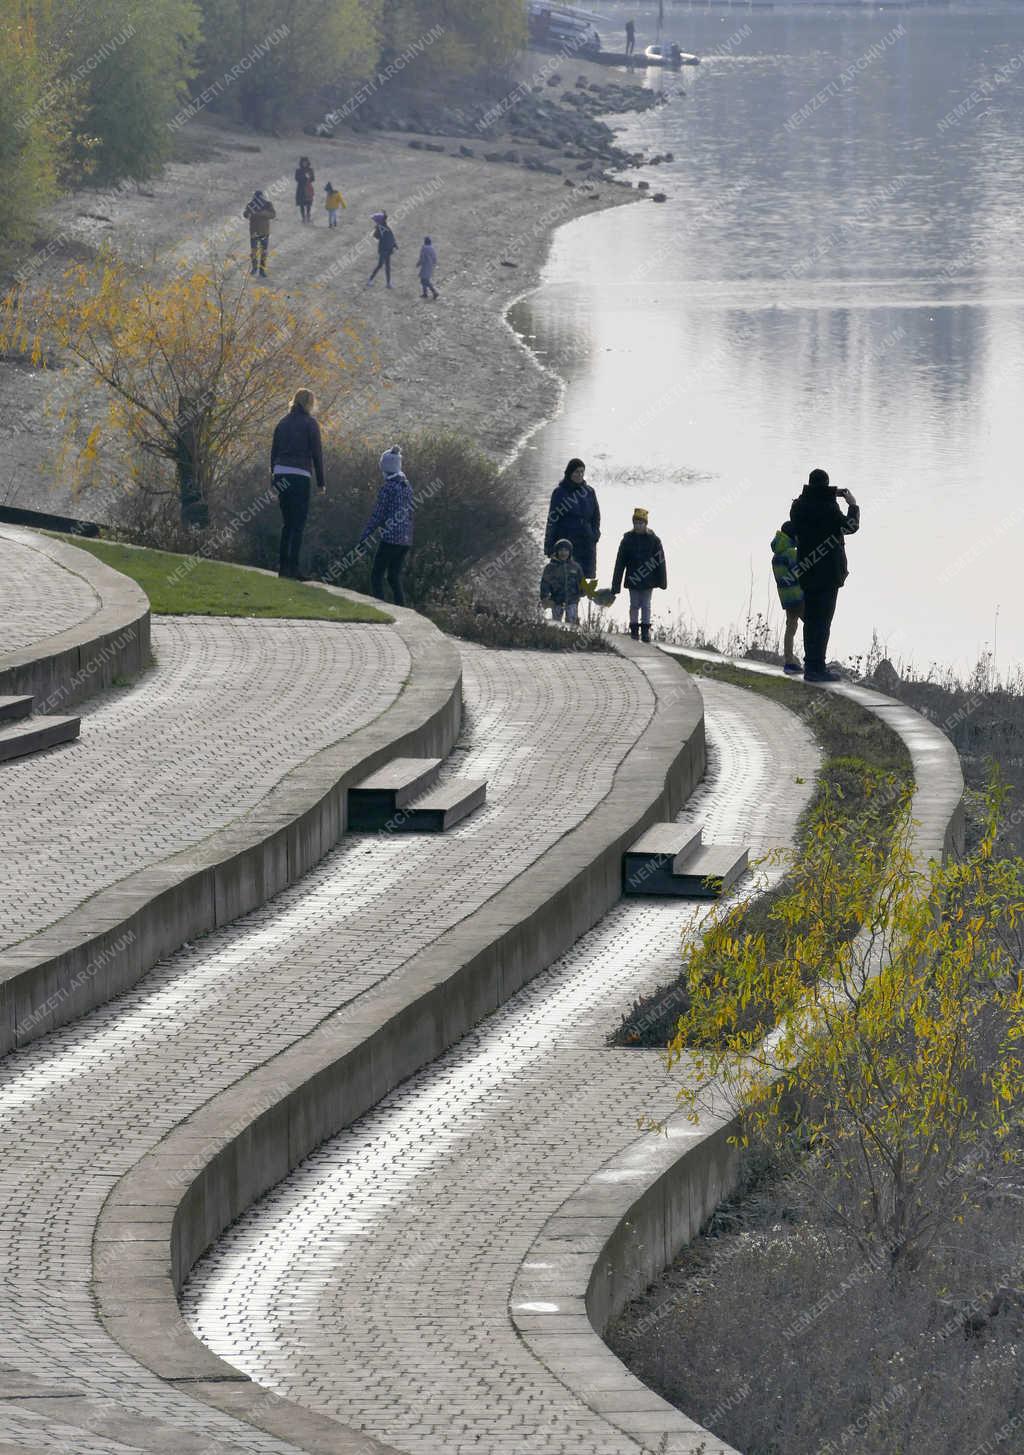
561, 584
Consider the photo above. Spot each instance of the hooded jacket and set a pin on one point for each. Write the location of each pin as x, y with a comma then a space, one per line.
562, 581
427, 261
821, 531
575, 515
297, 445
386, 242
784, 568
641, 560
259, 214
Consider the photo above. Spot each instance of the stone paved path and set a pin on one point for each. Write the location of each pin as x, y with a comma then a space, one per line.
372, 1285
80, 1107
230, 707
38, 598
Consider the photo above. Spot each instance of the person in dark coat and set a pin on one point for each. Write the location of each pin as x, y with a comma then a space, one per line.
821, 529
575, 515
387, 244
295, 456
641, 561
630, 37
561, 584
304, 189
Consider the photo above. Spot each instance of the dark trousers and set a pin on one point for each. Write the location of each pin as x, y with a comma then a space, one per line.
389, 561
819, 609
293, 498
384, 263
258, 252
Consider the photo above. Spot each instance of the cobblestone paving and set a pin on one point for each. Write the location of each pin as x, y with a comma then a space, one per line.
372, 1285
38, 598
80, 1107
230, 707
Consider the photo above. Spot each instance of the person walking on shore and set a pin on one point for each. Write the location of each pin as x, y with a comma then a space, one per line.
304, 190
784, 568
561, 584
425, 267
295, 456
393, 514
575, 515
641, 560
387, 244
821, 530
259, 214
333, 202
630, 37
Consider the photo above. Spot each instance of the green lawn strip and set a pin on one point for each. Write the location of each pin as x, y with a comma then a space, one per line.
194, 586
856, 745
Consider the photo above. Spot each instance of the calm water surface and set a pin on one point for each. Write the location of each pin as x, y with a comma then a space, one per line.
842, 286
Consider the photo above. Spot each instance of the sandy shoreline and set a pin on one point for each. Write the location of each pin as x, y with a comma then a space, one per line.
451, 364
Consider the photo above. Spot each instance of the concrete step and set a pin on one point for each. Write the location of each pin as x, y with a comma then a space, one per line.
711, 870
439, 808
650, 864
374, 802
34, 734
12, 708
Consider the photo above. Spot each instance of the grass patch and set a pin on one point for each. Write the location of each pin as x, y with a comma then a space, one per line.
492, 627
194, 586
859, 752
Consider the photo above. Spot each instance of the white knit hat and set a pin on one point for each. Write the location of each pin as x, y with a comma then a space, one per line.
391, 461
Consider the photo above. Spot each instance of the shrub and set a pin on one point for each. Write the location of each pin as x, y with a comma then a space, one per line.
467, 510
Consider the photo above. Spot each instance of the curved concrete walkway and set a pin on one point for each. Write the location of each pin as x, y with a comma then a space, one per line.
548, 733
39, 598
229, 709
69, 625
373, 1284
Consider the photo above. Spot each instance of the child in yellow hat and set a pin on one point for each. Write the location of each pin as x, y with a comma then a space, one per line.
641, 561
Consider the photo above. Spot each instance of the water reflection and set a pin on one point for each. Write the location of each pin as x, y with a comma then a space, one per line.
842, 290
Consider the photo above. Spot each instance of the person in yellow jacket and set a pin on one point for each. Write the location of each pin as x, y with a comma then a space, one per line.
333, 202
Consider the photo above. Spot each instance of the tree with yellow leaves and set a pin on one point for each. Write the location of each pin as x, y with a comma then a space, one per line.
879, 1032
196, 368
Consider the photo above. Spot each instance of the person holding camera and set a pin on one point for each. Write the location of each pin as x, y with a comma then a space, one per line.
821, 528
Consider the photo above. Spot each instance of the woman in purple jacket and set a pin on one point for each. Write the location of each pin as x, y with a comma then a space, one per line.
393, 515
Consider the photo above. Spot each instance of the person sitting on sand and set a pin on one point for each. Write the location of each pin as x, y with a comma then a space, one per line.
259, 214
561, 584
641, 560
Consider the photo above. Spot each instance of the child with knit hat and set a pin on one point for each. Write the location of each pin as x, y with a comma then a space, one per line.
393, 515
641, 561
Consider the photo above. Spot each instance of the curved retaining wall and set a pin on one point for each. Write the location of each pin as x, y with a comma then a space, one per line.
219, 1161
109, 943
69, 667
649, 1201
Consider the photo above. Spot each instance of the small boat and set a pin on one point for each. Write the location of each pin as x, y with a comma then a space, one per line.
670, 55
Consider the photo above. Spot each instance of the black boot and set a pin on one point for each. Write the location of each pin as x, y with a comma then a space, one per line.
645, 632
634, 630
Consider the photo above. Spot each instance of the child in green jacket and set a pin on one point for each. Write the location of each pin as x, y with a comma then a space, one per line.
785, 555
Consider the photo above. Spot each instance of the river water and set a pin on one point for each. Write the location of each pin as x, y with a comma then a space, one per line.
837, 279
